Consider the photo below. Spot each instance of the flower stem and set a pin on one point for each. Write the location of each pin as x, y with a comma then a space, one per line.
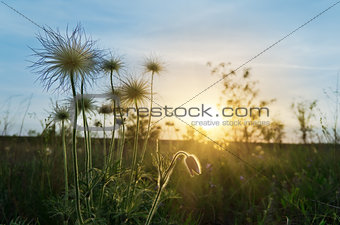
149, 121
104, 147
134, 157
65, 165
162, 181
75, 157
87, 147
89, 159
154, 206
112, 145
121, 146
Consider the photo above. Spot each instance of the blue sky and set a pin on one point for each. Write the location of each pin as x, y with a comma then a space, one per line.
186, 34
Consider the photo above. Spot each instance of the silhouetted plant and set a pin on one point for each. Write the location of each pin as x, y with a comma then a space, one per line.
105, 110
134, 92
164, 174
153, 66
61, 115
66, 60
111, 66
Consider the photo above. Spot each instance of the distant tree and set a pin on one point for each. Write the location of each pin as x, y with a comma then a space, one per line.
32, 133
273, 132
304, 112
239, 90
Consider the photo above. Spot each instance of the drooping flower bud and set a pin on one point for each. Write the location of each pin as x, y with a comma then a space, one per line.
193, 165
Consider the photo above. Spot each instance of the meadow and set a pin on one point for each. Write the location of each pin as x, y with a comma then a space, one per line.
294, 184
94, 165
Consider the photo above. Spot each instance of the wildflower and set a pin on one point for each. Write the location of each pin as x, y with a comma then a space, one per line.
89, 105
66, 59
134, 91
241, 177
105, 109
114, 64
193, 165
60, 113
153, 65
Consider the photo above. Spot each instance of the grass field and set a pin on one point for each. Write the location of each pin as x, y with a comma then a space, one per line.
287, 184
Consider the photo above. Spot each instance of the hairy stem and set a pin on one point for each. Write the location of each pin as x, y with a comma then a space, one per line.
134, 157
65, 165
154, 206
104, 147
75, 157
162, 182
121, 146
87, 147
89, 159
112, 145
149, 121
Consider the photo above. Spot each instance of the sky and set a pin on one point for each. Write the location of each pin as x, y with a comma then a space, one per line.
185, 35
